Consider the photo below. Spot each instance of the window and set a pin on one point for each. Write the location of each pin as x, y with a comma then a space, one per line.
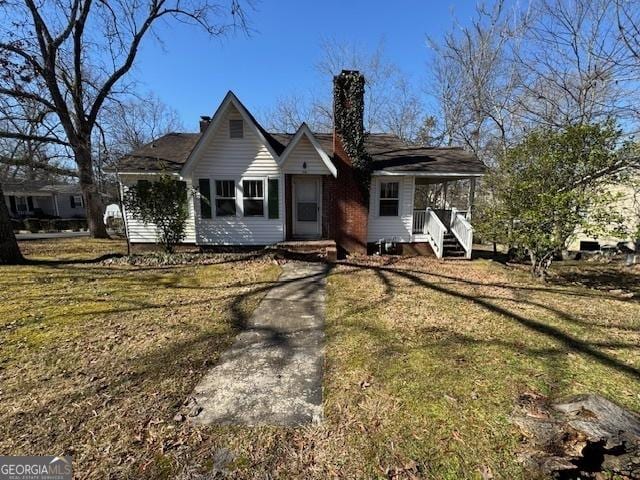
253, 193
21, 204
236, 129
389, 199
76, 201
225, 198
205, 197
273, 198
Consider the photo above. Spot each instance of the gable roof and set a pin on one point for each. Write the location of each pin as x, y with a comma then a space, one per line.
304, 131
229, 99
175, 152
388, 152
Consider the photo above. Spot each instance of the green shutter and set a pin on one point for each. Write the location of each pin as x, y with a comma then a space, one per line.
274, 198
205, 197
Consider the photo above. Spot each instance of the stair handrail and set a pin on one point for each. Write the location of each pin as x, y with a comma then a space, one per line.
435, 230
463, 231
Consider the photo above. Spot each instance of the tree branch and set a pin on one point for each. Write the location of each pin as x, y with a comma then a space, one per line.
34, 138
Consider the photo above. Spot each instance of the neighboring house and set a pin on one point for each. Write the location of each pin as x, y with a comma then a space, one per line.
259, 188
25, 198
625, 206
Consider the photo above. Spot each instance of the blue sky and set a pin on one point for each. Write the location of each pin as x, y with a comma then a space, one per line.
192, 72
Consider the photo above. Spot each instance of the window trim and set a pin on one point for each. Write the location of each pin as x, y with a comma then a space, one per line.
216, 197
264, 195
380, 199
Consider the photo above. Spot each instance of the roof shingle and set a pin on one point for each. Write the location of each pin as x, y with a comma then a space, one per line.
388, 152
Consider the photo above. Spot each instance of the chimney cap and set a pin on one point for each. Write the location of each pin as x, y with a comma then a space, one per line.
206, 118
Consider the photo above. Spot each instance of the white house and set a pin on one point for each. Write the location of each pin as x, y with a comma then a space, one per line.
259, 188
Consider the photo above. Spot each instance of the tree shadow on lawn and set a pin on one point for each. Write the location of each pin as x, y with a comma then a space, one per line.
568, 341
153, 366
603, 279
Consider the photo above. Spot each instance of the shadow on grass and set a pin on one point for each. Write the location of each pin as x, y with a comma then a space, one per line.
568, 341
602, 279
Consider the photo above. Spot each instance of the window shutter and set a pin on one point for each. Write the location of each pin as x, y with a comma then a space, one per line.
274, 198
12, 204
73, 201
205, 197
236, 128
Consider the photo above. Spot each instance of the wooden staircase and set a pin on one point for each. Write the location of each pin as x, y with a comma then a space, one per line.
452, 247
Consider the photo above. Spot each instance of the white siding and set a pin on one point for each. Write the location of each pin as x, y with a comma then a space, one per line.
140, 232
390, 227
303, 152
227, 158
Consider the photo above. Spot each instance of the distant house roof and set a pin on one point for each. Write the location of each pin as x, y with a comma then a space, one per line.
35, 187
388, 153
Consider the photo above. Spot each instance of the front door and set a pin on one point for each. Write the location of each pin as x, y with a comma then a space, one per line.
306, 207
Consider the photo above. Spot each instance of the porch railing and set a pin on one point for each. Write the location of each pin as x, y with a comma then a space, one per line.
462, 230
419, 217
434, 229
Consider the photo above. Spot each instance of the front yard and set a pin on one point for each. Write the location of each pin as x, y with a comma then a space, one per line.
425, 362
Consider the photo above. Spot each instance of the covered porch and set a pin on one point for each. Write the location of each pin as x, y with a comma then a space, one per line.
442, 209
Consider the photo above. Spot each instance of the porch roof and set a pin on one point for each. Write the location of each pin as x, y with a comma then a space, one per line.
38, 187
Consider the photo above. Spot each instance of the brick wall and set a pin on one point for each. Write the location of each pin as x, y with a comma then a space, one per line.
351, 207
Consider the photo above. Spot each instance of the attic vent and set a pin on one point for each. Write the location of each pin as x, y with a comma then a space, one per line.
236, 129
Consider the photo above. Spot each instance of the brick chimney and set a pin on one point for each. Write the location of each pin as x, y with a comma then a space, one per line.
351, 205
204, 122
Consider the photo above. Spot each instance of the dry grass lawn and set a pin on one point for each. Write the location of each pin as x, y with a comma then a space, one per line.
425, 361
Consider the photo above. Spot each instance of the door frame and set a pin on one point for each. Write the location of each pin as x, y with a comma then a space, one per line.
294, 206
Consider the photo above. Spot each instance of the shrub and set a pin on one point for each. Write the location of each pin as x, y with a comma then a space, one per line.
17, 224
33, 225
162, 203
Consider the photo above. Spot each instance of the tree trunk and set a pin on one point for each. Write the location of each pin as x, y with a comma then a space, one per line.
93, 201
9, 250
540, 265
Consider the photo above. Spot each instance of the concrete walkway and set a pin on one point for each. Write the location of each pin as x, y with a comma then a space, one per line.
272, 374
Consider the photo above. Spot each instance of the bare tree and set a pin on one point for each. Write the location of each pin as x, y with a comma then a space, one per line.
474, 81
9, 250
390, 104
27, 157
137, 121
71, 57
574, 65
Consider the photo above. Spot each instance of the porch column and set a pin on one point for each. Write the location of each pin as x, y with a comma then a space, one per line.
56, 209
445, 187
472, 194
